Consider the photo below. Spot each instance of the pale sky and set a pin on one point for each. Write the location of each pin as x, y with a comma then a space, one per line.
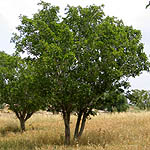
132, 12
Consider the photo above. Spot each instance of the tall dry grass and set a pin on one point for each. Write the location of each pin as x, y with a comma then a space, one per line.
124, 131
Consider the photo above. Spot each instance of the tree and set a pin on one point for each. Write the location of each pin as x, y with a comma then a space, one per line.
140, 98
79, 57
114, 101
6, 70
20, 87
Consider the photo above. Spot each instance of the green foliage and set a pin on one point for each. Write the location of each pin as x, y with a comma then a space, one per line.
80, 57
7, 70
140, 98
19, 86
114, 101
82, 51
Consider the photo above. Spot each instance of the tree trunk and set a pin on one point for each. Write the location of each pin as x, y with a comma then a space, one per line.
80, 128
76, 131
23, 117
66, 117
82, 125
22, 124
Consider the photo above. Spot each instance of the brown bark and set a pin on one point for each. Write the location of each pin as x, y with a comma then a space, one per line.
82, 125
76, 131
23, 117
22, 124
66, 117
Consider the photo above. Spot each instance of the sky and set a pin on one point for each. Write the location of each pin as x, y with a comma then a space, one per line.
132, 12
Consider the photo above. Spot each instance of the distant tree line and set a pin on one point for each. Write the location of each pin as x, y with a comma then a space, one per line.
140, 99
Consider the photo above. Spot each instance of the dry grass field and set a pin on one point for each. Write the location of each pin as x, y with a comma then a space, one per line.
124, 131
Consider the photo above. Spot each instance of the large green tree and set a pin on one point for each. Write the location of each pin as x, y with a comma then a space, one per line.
79, 57
19, 87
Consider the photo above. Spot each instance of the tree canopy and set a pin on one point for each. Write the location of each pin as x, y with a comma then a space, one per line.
79, 57
19, 88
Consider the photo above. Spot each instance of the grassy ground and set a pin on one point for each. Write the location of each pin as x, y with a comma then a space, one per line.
124, 131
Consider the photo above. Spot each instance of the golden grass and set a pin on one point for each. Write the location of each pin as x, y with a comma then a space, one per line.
124, 131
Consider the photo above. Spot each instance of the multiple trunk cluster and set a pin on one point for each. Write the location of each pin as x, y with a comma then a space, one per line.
79, 128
